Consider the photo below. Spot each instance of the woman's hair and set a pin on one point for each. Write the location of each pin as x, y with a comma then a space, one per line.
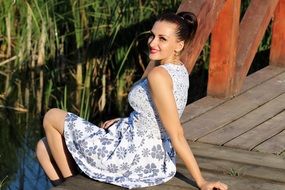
186, 24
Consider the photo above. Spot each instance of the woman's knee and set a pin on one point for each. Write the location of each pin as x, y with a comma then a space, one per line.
54, 118
49, 115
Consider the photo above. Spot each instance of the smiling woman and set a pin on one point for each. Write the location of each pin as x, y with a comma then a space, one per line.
138, 150
169, 35
162, 44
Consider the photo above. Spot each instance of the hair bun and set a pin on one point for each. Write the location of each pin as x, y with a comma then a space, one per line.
191, 20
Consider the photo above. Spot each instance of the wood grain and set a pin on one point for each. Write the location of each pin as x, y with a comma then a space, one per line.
277, 50
234, 109
274, 145
259, 134
224, 40
207, 12
252, 29
246, 123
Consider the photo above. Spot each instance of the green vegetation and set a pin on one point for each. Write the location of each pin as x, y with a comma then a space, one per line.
233, 172
77, 55
2, 182
81, 56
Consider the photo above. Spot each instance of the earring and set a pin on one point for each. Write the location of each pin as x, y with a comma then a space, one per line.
177, 53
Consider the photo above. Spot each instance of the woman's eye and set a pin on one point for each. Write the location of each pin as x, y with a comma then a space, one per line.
162, 39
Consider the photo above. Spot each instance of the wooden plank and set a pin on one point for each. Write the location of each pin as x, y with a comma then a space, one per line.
207, 12
277, 50
82, 182
259, 134
223, 51
241, 183
241, 169
274, 145
207, 103
237, 155
199, 107
261, 76
246, 123
211, 170
252, 29
234, 109
175, 184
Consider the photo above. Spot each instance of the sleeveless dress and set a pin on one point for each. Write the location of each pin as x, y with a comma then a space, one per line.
135, 151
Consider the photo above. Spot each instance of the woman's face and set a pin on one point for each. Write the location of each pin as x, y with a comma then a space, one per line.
163, 42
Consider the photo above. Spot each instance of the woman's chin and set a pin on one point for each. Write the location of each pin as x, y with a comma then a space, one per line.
153, 58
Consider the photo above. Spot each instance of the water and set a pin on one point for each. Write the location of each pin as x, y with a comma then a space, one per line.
19, 168
29, 175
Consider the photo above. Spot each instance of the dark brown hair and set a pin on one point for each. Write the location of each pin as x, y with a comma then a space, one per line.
186, 24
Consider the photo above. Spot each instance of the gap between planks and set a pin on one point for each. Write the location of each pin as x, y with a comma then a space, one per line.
234, 109
246, 123
208, 103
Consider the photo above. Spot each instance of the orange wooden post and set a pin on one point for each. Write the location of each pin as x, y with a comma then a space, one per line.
252, 29
277, 51
223, 51
207, 12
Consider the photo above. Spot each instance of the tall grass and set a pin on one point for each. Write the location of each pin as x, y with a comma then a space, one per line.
77, 54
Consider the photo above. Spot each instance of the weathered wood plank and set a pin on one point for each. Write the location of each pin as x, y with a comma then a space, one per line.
240, 183
234, 109
261, 76
234, 182
256, 170
207, 103
223, 55
252, 29
81, 182
206, 11
246, 123
277, 50
242, 169
237, 155
259, 134
199, 107
274, 145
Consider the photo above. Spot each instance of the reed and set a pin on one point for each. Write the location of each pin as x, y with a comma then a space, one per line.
79, 55
2, 182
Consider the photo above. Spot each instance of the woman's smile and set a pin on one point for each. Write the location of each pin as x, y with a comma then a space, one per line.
153, 50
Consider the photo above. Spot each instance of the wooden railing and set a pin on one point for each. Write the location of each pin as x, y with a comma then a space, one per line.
234, 43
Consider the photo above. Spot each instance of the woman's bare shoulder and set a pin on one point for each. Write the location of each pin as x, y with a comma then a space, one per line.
159, 76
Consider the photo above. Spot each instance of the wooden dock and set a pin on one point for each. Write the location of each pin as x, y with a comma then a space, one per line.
240, 140
252, 120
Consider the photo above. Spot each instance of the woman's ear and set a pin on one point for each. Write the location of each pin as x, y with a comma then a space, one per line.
180, 46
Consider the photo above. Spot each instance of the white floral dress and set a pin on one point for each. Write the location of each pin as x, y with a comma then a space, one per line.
135, 151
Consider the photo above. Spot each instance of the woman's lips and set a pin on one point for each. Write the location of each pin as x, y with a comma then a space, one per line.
153, 51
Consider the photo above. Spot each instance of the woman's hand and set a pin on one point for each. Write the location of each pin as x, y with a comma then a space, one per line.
213, 186
108, 123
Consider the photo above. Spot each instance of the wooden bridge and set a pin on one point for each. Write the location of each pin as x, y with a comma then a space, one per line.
237, 132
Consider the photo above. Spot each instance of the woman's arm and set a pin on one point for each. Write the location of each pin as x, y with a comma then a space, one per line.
161, 88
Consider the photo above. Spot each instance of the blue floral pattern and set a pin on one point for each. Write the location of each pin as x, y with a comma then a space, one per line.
135, 151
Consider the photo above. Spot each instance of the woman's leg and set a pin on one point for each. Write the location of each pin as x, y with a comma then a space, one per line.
53, 125
47, 162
